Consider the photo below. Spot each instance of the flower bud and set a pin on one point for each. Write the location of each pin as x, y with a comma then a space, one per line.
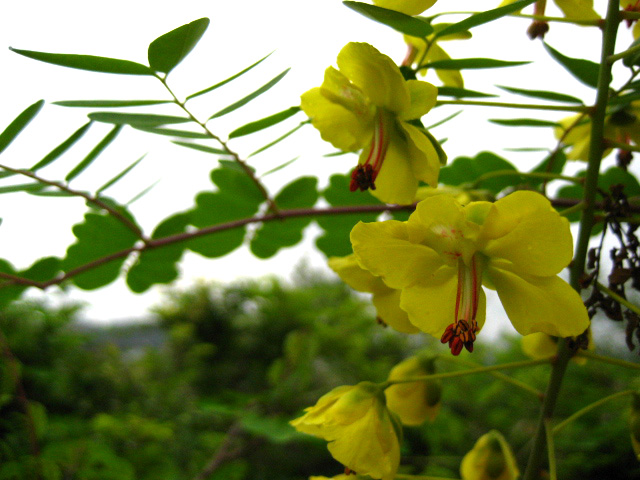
490, 459
363, 434
414, 402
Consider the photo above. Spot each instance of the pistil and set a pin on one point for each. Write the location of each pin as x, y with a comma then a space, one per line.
363, 177
462, 332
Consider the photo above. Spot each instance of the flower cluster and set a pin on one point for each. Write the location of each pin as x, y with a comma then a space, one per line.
445, 252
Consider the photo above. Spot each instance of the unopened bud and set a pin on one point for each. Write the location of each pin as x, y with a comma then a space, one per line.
490, 459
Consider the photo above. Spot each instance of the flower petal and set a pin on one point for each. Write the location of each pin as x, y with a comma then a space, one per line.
540, 304
431, 304
396, 182
423, 98
422, 157
337, 125
384, 250
408, 7
525, 230
579, 9
450, 78
388, 307
351, 273
376, 75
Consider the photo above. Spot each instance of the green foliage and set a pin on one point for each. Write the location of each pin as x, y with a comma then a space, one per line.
400, 22
18, 124
167, 51
466, 170
584, 70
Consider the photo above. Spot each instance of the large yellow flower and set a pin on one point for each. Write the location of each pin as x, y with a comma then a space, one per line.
408, 7
367, 105
621, 126
363, 434
490, 459
577, 9
442, 255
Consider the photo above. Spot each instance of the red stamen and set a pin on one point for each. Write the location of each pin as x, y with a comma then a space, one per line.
363, 177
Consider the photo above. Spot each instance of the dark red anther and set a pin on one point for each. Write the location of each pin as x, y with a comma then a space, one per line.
456, 346
448, 334
363, 178
469, 346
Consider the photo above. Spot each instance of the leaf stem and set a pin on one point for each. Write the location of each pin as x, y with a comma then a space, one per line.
529, 106
551, 450
618, 298
619, 56
608, 143
534, 464
588, 408
89, 198
610, 360
503, 173
241, 163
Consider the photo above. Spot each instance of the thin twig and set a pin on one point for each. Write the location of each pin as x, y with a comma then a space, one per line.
222, 454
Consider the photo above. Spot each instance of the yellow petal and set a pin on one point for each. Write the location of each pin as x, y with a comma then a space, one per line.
450, 78
423, 98
408, 7
527, 231
396, 182
539, 345
388, 307
579, 9
376, 75
490, 458
431, 304
539, 304
337, 125
422, 156
351, 273
384, 250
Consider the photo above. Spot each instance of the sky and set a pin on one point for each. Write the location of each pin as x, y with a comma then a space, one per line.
305, 35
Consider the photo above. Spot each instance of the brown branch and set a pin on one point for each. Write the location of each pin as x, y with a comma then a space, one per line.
12, 279
89, 198
224, 453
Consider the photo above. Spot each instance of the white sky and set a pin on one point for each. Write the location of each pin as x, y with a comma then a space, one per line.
305, 34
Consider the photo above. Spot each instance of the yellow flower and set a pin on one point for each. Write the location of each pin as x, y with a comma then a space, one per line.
621, 126
540, 345
414, 402
423, 51
385, 299
363, 434
408, 7
490, 459
442, 255
367, 105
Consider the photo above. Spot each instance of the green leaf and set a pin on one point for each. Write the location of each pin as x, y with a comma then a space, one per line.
444, 120
233, 165
237, 198
120, 175
54, 154
136, 119
280, 167
251, 96
554, 163
264, 122
483, 17
98, 237
274, 429
467, 170
18, 124
88, 62
335, 239
398, 21
158, 265
202, 148
584, 70
542, 94
231, 78
170, 49
624, 99
109, 103
461, 93
22, 187
93, 154
173, 132
634, 58
278, 140
524, 122
471, 63
272, 236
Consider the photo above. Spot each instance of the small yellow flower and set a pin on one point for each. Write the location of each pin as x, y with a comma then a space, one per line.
576, 9
540, 345
442, 255
621, 126
422, 51
408, 7
414, 402
367, 105
363, 434
490, 459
